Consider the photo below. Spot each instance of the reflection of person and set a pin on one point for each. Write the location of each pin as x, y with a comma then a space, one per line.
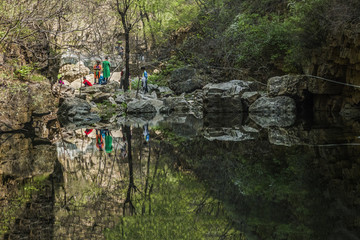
88, 131
99, 140
123, 149
108, 142
106, 69
146, 133
144, 80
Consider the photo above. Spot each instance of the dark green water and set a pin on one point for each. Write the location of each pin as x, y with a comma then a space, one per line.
217, 178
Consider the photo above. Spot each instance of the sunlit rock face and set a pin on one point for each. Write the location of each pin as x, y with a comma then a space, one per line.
19, 101
72, 72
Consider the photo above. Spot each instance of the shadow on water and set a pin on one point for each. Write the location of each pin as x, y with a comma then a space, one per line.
220, 177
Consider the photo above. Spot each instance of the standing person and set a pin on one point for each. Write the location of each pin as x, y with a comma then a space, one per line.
97, 71
144, 79
120, 49
86, 82
106, 69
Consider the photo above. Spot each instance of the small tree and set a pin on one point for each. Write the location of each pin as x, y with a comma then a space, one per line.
127, 9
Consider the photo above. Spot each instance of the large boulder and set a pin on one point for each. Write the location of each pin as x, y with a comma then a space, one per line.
144, 106
72, 72
225, 97
76, 111
297, 86
175, 104
185, 80
278, 111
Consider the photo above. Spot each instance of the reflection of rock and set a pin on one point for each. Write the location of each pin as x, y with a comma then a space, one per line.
277, 105
278, 111
72, 72
231, 134
225, 97
185, 80
19, 101
266, 120
76, 111
20, 158
281, 136
224, 120
185, 125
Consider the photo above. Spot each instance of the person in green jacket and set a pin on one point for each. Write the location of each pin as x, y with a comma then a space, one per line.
106, 69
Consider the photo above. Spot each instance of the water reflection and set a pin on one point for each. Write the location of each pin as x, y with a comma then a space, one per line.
183, 178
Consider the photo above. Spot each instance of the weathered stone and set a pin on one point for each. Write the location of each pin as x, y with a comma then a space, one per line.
100, 97
249, 98
120, 99
175, 104
185, 80
72, 72
225, 97
288, 85
144, 106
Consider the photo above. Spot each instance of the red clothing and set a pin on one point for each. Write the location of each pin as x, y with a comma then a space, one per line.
87, 83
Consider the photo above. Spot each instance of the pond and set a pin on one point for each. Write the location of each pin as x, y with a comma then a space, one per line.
221, 177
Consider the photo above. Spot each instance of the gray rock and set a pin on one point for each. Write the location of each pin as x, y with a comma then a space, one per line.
288, 85
225, 97
175, 104
144, 106
249, 98
185, 80
120, 99
100, 97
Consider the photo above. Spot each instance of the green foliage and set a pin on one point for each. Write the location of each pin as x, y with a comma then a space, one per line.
24, 72
254, 40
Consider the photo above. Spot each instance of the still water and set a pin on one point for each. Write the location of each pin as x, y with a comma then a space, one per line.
222, 177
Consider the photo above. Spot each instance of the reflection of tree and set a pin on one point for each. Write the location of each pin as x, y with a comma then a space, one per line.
127, 132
